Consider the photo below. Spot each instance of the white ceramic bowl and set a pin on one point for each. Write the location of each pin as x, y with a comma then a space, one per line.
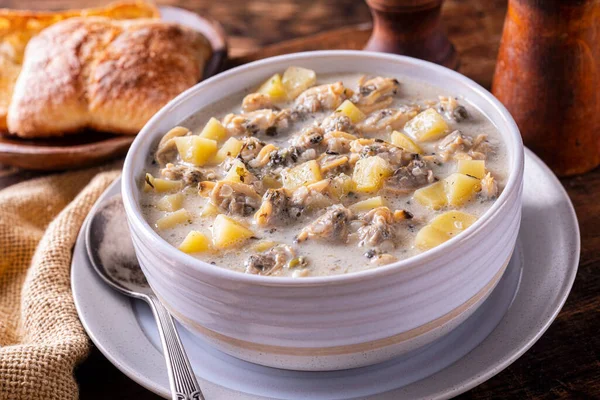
336, 322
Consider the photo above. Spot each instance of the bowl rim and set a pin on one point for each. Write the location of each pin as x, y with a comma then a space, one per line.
146, 233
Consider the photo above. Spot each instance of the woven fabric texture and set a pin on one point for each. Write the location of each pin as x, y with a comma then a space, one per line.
41, 338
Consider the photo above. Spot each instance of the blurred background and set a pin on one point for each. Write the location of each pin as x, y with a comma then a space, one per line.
251, 25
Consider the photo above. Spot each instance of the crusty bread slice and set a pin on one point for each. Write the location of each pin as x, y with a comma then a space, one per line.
17, 27
103, 74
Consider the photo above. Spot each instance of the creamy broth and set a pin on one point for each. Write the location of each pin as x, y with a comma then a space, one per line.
314, 255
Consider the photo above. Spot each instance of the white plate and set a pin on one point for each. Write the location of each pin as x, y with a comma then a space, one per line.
518, 312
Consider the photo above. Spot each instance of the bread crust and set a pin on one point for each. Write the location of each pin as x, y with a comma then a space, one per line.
17, 27
102, 74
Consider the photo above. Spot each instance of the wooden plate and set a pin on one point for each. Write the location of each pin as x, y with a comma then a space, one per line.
90, 148
52, 154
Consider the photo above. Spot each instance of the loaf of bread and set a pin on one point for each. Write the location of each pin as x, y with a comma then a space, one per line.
103, 74
17, 27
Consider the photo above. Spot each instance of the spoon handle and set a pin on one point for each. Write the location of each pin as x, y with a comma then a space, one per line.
181, 376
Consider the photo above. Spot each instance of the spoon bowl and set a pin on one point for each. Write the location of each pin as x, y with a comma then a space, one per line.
114, 257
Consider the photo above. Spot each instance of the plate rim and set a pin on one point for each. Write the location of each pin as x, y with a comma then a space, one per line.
460, 385
568, 285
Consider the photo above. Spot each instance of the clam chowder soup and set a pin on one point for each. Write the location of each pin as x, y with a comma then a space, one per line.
309, 176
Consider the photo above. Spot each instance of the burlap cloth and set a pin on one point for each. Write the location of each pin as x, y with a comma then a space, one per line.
41, 338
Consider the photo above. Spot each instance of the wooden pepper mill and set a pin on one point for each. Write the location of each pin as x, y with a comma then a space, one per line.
548, 76
412, 28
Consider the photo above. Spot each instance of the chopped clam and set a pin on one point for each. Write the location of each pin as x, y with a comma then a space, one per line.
331, 226
257, 101
323, 97
376, 93
166, 147
489, 186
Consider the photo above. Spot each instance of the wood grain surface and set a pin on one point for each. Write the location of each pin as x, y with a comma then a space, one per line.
565, 362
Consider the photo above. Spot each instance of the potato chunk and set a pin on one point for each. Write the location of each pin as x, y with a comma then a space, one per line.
370, 173
460, 188
341, 186
165, 185
432, 196
271, 182
160, 185
172, 219
443, 228
238, 173
274, 88
429, 237
455, 190
351, 111
453, 222
195, 242
474, 168
231, 148
209, 210
171, 202
195, 149
214, 130
367, 205
426, 126
302, 175
264, 245
227, 232
401, 140
296, 80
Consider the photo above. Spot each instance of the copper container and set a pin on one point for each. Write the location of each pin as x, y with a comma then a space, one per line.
412, 28
548, 76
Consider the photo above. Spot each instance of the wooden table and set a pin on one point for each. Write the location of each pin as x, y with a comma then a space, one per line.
565, 362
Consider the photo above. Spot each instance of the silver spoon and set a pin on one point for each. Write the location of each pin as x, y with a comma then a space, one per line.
111, 252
